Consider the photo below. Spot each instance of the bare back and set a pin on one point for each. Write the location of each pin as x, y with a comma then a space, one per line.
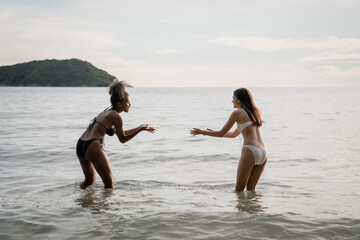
252, 133
106, 119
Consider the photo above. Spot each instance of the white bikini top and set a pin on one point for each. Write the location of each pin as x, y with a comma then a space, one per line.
242, 126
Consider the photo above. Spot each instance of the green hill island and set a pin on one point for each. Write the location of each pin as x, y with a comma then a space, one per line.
57, 73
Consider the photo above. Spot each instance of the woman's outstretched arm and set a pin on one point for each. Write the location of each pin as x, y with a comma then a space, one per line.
130, 131
233, 134
223, 132
125, 136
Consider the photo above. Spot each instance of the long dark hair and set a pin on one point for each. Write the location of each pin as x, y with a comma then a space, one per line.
248, 105
117, 92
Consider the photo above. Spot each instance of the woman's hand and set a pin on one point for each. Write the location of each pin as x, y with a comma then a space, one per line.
195, 131
146, 127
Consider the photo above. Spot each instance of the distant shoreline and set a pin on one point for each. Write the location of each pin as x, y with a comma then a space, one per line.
54, 73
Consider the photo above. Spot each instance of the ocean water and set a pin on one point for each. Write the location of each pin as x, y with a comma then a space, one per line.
170, 185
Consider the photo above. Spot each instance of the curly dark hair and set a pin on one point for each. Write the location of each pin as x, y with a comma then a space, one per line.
117, 92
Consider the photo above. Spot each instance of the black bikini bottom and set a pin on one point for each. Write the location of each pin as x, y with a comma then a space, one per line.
82, 146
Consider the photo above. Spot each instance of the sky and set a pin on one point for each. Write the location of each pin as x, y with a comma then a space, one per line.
192, 43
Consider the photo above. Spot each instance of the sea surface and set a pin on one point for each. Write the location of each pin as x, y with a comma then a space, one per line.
171, 185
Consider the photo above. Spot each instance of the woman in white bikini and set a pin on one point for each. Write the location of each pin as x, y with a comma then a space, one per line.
89, 146
253, 155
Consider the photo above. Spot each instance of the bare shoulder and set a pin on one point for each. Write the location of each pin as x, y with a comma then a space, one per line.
240, 115
113, 117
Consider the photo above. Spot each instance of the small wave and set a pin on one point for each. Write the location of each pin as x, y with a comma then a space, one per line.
298, 160
214, 157
69, 186
135, 185
142, 184
212, 185
276, 184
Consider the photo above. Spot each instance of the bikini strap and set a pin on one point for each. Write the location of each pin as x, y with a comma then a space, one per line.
93, 121
246, 114
109, 109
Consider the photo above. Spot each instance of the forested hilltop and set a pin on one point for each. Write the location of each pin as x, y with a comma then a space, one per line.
66, 73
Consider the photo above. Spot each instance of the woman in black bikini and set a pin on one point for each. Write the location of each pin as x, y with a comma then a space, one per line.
89, 147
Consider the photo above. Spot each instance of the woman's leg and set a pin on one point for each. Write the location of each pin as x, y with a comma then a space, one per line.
245, 167
255, 176
89, 172
96, 155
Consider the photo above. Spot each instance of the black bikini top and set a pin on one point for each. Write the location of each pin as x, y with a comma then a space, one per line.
109, 131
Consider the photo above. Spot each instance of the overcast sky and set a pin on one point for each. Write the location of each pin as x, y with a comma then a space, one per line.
195, 43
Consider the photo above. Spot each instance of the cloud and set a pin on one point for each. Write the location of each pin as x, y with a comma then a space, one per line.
324, 58
164, 51
41, 39
271, 44
79, 34
151, 46
5, 14
165, 21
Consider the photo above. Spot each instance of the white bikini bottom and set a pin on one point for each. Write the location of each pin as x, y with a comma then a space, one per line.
260, 154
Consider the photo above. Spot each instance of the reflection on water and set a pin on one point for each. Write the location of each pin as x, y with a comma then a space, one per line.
95, 200
172, 185
249, 202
